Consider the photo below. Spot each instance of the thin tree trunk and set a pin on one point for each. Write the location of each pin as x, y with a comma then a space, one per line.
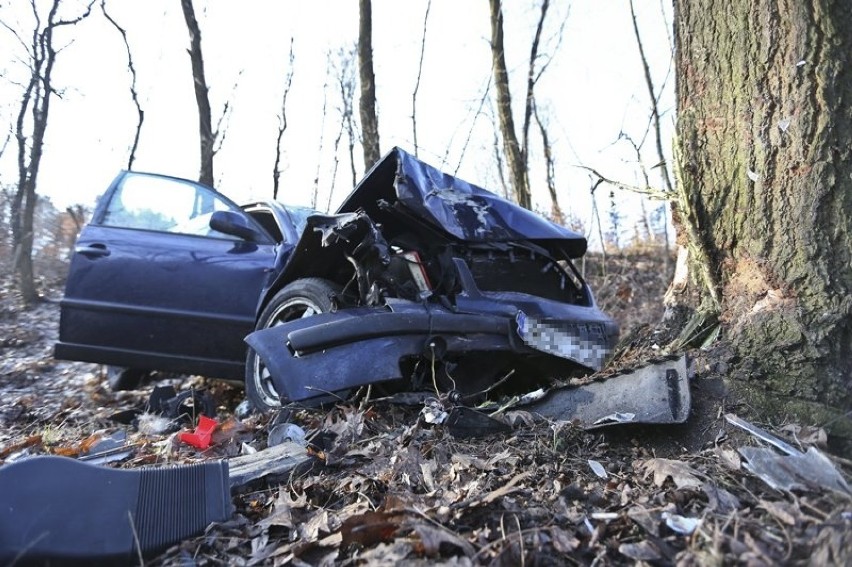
556, 213
511, 145
369, 119
419, 76
205, 122
282, 123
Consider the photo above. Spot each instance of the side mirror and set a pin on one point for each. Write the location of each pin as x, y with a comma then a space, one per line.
235, 224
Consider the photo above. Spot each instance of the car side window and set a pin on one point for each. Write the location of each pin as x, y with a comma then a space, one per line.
163, 204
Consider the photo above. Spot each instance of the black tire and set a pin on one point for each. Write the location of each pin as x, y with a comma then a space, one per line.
301, 298
120, 378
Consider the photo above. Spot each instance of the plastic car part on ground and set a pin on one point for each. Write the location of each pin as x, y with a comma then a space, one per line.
60, 510
656, 393
200, 438
57, 509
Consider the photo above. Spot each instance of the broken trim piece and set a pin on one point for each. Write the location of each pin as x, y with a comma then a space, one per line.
658, 393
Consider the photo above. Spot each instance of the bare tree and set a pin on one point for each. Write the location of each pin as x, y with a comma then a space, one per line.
282, 122
517, 151
30, 134
344, 69
419, 76
202, 100
369, 118
655, 107
556, 213
315, 192
511, 146
133, 92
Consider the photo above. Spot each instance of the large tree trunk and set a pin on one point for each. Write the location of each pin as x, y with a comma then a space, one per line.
205, 122
511, 146
764, 122
369, 119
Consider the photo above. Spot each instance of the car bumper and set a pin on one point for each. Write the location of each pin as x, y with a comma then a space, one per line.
331, 352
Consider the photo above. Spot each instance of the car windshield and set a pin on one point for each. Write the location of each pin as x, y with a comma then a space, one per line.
299, 216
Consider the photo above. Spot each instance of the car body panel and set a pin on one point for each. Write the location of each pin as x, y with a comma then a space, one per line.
162, 300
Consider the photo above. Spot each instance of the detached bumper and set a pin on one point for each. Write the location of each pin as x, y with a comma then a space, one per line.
326, 353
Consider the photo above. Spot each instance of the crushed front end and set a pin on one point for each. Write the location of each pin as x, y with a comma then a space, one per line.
443, 285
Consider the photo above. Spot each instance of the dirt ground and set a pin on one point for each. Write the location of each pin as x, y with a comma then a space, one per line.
384, 487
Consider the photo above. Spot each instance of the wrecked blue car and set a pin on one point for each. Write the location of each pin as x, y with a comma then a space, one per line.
419, 281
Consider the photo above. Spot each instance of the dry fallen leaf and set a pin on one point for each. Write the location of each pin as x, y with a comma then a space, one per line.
729, 457
370, 528
642, 551
282, 510
432, 537
784, 512
681, 473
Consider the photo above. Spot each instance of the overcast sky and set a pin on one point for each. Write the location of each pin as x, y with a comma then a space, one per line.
593, 89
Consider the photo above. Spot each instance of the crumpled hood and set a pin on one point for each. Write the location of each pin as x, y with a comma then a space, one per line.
467, 212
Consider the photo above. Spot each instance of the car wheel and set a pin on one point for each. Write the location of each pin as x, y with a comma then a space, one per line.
301, 298
120, 378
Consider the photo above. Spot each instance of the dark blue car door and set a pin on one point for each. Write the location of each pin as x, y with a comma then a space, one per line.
152, 286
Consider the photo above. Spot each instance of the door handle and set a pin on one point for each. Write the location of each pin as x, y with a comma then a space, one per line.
92, 250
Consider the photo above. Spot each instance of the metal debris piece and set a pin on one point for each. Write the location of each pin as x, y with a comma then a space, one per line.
810, 470
761, 434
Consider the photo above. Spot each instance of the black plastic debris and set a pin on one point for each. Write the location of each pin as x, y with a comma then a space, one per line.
181, 408
56, 509
464, 422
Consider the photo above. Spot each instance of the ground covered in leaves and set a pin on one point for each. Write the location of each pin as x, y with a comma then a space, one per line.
384, 487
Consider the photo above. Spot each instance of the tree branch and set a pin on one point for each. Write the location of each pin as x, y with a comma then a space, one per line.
419, 74
650, 192
133, 93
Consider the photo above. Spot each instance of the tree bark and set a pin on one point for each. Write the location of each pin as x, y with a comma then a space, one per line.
205, 122
369, 119
511, 146
764, 121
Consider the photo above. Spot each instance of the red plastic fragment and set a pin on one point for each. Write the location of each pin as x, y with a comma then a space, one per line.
200, 438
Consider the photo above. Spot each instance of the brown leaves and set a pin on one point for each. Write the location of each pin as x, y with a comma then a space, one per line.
370, 528
681, 473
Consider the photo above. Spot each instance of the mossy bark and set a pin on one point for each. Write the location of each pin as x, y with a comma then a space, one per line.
764, 127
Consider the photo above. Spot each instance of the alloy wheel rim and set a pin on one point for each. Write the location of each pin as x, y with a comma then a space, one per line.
296, 308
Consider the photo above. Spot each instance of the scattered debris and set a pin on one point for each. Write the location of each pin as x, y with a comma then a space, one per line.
656, 393
277, 460
200, 438
59, 509
796, 470
284, 432
681, 524
526, 493
598, 469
